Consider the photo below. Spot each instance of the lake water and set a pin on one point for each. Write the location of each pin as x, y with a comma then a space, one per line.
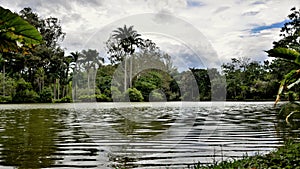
136, 135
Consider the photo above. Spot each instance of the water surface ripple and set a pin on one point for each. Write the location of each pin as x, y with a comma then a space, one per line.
107, 135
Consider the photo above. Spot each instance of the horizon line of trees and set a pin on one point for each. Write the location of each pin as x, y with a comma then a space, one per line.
138, 69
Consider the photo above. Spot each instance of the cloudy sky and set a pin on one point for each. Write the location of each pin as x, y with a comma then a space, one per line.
187, 28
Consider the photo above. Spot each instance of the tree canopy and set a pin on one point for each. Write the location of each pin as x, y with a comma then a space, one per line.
35, 68
288, 49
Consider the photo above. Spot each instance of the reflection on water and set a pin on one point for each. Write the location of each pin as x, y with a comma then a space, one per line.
28, 137
97, 135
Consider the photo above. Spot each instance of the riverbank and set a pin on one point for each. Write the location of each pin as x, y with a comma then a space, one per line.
287, 156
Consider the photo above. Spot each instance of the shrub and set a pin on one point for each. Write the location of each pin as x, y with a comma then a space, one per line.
134, 95
284, 157
145, 88
116, 94
66, 99
24, 93
46, 95
157, 95
102, 98
26, 96
9, 86
87, 98
5, 99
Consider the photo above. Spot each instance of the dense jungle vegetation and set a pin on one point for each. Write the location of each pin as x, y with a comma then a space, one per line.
35, 68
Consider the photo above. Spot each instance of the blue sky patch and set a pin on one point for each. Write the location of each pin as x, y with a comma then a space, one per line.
265, 27
258, 3
193, 3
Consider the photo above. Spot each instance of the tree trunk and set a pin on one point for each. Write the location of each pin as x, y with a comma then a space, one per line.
125, 74
43, 83
63, 91
40, 81
58, 87
75, 83
130, 73
75, 90
54, 89
4, 79
40, 85
88, 81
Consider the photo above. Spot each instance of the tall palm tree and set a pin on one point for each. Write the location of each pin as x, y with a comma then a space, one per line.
89, 60
2, 61
74, 66
128, 39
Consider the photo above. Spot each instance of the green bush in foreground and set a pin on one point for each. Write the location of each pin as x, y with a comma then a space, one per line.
66, 99
46, 95
134, 95
24, 93
287, 157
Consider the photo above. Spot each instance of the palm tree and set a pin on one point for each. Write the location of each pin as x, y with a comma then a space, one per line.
40, 78
2, 61
89, 60
128, 39
74, 66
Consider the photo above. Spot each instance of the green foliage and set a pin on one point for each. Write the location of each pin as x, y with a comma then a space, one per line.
123, 41
285, 53
104, 79
203, 83
85, 91
290, 32
250, 80
103, 98
66, 99
95, 97
46, 95
90, 59
15, 32
87, 98
145, 88
116, 94
157, 95
26, 96
24, 93
46, 70
285, 157
288, 48
134, 95
5, 99
148, 81
49, 28
7, 89
44, 65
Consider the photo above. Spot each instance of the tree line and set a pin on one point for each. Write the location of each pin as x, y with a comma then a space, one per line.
138, 70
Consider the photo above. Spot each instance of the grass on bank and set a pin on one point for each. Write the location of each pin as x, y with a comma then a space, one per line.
285, 157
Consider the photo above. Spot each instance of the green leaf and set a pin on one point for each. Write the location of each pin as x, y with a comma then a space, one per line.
14, 29
293, 84
285, 53
290, 79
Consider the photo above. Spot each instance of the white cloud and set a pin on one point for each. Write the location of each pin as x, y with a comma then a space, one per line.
226, 24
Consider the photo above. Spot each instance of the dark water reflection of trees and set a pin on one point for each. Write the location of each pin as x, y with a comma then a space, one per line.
28, 137
288, 128
39, 138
